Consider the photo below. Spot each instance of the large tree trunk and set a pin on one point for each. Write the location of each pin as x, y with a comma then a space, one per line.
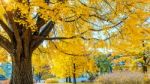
22, 71
23, 41
21, 60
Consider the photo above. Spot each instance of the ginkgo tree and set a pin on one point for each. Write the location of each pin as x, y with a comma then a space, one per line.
41, 64
68, 25
72, 66
134, 39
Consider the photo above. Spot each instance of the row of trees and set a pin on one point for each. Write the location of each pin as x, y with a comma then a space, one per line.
66, 66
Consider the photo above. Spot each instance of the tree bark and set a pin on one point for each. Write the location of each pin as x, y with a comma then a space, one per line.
21, 60
22, 71
74, 74
22, 45
144, 67
66, 79
69, 79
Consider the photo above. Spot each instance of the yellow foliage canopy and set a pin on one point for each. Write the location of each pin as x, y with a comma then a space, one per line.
80, 28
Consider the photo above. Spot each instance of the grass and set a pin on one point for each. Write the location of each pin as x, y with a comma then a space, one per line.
124, 78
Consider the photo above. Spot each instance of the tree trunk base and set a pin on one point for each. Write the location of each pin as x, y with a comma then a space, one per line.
22, 72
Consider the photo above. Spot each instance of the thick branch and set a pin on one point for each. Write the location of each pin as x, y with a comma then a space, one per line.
26, 42
40, 22
4, 43
44, 32
7, 30
16, 34
10, 17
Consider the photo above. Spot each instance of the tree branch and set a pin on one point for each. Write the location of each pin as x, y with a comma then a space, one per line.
27, 40
43, 33
69, 53
40, 22
4, 43
7, 30
10, 17
73, 37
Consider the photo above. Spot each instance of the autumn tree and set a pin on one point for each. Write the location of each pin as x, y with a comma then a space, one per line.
72, 66
133, 41
67, 24
41, 64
